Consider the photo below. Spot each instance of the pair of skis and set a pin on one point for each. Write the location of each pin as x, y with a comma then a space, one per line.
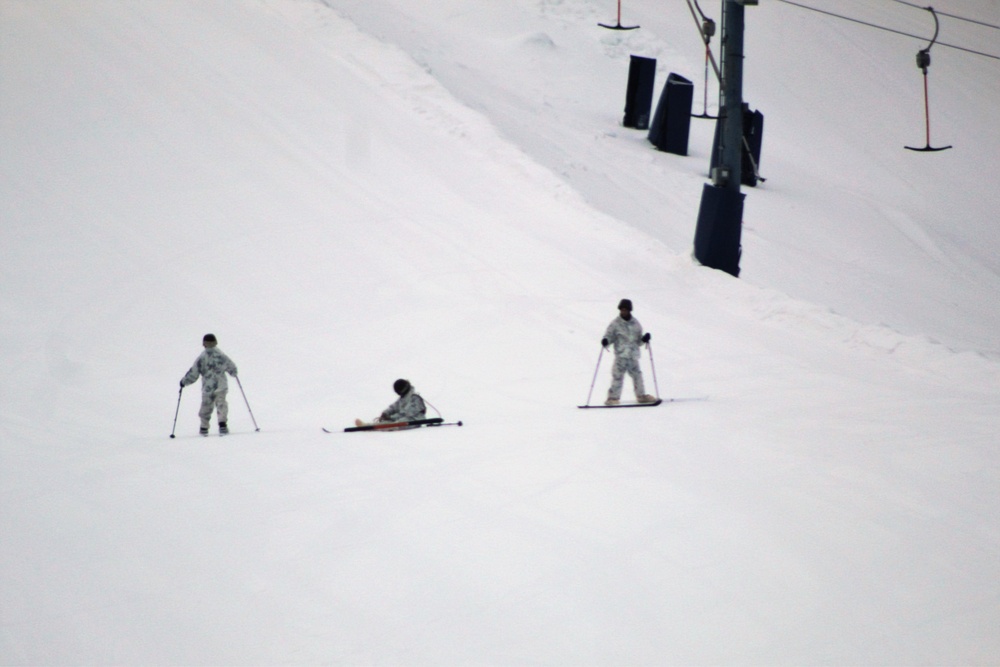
395, 426
651, 404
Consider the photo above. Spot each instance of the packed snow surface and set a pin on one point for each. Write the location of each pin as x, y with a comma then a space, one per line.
351, 191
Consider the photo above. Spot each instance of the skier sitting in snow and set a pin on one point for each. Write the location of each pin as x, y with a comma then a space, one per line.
625, 333
212, 365
408, 407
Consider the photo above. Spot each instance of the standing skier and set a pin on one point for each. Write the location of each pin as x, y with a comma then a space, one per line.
212, 365
408, 407
625, 333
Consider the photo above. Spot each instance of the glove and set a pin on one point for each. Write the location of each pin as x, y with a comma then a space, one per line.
182, 384
645, 338
604, 342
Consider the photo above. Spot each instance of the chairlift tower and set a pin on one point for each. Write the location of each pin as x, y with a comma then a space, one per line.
717, 237
728, 174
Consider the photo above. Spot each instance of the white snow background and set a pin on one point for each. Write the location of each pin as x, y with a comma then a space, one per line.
351, 191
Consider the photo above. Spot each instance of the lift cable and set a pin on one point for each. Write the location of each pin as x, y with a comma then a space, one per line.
893, 30
951, 16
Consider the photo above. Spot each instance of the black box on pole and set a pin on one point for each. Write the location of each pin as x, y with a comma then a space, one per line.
753, 133
753, 137
717, 237
639, 95
671, 123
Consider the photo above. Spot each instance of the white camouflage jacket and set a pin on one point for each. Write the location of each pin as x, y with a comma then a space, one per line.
626, 336
409, 407
212, 365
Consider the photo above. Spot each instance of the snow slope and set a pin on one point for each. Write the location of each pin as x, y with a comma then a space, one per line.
347, 193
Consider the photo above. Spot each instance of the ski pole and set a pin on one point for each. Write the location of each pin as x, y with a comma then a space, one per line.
653, 367
594, 381
240, 384
177, 411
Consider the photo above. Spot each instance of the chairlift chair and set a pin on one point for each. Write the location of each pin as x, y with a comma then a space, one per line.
924, 62
618, 24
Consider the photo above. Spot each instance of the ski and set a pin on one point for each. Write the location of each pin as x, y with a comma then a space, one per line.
210, 435
384, 426
649, 405
626, 405
381, 426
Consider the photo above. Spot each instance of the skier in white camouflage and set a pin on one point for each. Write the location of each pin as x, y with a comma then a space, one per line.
408, 407
625, 333
212, 365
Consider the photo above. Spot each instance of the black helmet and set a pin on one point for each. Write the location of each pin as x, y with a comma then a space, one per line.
625, 303
401, 386
209, 338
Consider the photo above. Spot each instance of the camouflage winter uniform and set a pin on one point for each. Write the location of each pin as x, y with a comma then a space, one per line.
409, 406
625, 336
212, 365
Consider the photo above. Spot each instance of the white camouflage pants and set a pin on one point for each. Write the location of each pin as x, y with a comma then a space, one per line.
621, 366
216, 401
